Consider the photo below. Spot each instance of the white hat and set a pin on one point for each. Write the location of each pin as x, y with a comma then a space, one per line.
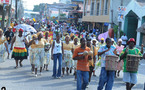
120, 40
112, 39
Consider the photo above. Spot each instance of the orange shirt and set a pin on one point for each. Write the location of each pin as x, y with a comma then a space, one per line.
82, 65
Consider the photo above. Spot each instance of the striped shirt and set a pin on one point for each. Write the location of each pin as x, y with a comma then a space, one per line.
82, 65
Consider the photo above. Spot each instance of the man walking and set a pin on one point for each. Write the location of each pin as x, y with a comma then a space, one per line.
82, 65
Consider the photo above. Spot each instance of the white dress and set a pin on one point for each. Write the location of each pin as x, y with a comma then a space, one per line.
2, 49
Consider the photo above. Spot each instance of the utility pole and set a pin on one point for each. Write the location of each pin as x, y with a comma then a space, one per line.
120, 23
9, 19
3, 15
16, 2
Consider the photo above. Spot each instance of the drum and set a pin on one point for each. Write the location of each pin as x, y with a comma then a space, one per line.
111, 62
132, 62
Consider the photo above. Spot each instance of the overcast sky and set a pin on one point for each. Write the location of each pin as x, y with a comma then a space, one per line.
29, 4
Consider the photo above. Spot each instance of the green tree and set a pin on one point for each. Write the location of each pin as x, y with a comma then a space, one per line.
36, 8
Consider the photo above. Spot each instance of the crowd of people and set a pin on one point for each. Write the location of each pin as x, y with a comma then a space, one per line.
75, 52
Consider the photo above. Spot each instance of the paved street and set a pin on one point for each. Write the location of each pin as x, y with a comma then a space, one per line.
22, 79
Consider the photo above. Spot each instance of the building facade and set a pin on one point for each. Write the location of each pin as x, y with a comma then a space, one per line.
101, 13
134, 18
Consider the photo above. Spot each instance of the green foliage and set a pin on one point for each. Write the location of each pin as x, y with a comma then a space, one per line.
36, 8
116, 31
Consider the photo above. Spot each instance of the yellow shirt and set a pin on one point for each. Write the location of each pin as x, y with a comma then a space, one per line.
69, 46
2, 40
95, 52
41, 43
12, 25
33, 45
48, 40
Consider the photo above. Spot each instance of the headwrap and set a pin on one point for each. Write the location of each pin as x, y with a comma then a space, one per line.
67, 36
1, 30
102, 39
46, 32
39, 33
21, 30
72, 34
34, 35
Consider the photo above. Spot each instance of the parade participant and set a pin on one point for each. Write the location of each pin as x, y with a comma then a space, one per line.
119, 48
106, 77
130, 77
82, 65
124, 39
47, 54
91, 62
76, 44
102, 43
84, 34
9, 35
39, 54
19, 51
68, 49
57, 52
94, 43
32, 53
3, 46
113, 42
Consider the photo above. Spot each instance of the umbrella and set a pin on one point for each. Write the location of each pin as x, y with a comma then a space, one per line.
25, 27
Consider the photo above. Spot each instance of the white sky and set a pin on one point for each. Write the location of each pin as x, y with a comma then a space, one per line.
29, 4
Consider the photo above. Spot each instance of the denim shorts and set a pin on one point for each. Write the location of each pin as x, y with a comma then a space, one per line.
130, 77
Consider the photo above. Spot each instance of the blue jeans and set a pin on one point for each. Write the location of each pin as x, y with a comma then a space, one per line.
106, 77
82, 75
55, 57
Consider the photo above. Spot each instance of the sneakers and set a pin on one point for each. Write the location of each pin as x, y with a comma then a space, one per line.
58, 77
40, 74
35, 75
32, 72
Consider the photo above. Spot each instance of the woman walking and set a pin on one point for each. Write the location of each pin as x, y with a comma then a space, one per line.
3, 45
119, 48
76, 44
39, 54
32, 53
47, 48
19, 51
57, 54
68, 49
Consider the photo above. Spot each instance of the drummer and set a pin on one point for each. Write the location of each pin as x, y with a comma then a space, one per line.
106, 77
130, 78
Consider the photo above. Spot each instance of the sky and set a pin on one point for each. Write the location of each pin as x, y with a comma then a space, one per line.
29, 4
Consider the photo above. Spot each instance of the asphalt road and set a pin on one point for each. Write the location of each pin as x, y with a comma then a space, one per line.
22, 79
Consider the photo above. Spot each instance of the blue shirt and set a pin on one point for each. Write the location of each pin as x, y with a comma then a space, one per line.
103, 56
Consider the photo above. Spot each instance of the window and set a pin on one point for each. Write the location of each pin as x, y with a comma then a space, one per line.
106, 7
98, 5
92, 8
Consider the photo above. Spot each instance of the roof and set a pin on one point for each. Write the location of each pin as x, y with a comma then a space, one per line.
77, 0
141, 2
142, 28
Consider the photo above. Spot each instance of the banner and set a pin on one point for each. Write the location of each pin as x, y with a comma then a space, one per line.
5, 1
103, 35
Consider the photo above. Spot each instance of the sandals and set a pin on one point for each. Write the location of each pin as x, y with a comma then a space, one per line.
16, 67
20, 64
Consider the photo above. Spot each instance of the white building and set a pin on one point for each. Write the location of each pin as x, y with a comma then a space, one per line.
134, 18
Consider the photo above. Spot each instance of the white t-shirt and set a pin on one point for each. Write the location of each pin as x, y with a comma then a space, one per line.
124, 39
